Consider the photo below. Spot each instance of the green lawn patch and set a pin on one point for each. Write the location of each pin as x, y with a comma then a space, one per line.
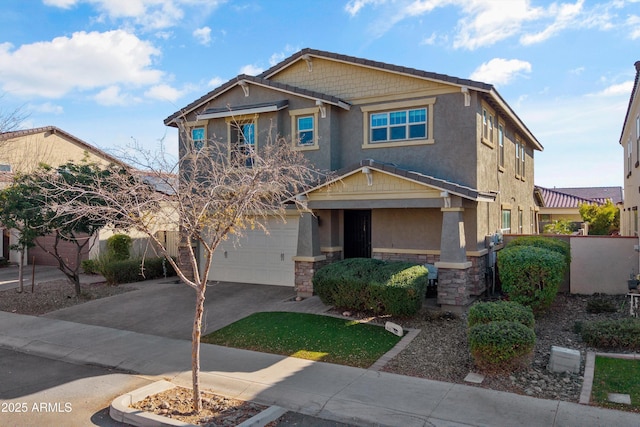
307, 336
614, 375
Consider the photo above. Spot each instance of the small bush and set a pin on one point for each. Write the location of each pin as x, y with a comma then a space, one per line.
530, 275
131, 270
118, 247
550, 243
485, 312
501, 345
621, 334
600, 306
364, 284
89, 266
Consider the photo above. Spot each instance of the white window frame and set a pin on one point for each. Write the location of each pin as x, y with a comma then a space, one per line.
368, 110
300, 113
629, 156
488, 127
517, 157
507, 229
190, 127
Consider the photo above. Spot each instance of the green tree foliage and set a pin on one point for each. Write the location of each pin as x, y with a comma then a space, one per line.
19, 211
560, 226
603, 219
119, 247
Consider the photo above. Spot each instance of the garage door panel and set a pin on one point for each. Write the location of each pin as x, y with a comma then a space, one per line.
259, 257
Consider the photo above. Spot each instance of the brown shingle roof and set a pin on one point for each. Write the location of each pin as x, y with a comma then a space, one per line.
572, 197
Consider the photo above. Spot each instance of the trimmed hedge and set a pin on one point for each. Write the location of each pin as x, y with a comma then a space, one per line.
531, 275
130, 270
612, 334
365, 284
485, 312
501, 345
550, 243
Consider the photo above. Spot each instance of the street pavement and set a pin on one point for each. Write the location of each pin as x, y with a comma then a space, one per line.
322, 391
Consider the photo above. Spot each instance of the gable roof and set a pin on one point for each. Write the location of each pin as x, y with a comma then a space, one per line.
244, 79
389, 168
307, 54
6, 136
634, 91
572, 197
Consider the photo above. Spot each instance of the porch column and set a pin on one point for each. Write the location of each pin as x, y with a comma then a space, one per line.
308, 256
453, 267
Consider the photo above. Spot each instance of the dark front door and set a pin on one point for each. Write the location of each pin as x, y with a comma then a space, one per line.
357, 234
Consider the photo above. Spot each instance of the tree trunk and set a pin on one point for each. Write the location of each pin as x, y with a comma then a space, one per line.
21, 270
195, 348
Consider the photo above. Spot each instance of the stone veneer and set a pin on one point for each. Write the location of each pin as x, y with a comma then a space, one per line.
304, 271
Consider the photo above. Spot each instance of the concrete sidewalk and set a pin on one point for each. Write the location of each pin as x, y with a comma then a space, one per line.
37, 275
334, 392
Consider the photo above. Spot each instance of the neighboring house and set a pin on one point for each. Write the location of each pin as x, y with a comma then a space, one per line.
427, 167
23, 151
564, 203
630, 141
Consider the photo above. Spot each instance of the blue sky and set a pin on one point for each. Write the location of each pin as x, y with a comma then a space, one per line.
110, 71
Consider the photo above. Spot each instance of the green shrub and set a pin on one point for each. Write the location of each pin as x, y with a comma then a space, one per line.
364, 284
89, 266
550, 243
130, 270
501, 345
612, 334
530, 275
485, 312
118, 247
600, 305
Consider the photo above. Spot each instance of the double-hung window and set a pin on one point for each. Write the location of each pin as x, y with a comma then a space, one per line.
304, 125
305, 130
487, 127
242, 139
198, 137
638, 141
398, 123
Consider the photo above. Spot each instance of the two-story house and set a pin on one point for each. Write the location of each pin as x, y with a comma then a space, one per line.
630, 141
426, 167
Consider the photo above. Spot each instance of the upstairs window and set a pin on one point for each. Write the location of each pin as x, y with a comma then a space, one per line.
517, 158
399, 125
522, 157
638, 140
487, 127
198, 137
242, 139
305, 130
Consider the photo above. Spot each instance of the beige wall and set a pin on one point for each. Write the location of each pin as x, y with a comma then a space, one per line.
602, 264
25, 153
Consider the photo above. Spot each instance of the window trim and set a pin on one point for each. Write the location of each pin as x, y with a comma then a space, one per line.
503, 211
368, 110
295, 115
190, 126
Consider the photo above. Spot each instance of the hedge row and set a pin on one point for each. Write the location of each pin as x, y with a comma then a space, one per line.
365, 284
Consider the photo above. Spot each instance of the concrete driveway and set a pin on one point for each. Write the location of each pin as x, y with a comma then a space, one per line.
165, 307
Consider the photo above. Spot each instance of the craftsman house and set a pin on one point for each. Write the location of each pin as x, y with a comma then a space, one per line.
428, 168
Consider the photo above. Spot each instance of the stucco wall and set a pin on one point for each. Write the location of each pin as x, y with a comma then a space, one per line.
602, 264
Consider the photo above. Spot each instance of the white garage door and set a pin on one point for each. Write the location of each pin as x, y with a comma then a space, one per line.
258, 257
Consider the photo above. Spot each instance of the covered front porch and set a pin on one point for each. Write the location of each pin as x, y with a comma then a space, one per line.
380, 211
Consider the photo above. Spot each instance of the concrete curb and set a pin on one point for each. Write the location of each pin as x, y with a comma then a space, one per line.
121, 411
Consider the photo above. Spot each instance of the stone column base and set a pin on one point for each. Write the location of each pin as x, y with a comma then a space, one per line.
454, 286
305, 268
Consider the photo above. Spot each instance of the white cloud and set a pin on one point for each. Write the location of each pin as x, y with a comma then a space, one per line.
251, 70
47, 108
215, 82
619, 89
633, 23
111, 96
82, 62
203, 35
499, 71
565, 16
149, 14
163, 92
431, 40
354, 6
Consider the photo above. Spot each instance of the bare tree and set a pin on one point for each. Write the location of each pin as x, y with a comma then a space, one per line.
215, 193
11, 120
